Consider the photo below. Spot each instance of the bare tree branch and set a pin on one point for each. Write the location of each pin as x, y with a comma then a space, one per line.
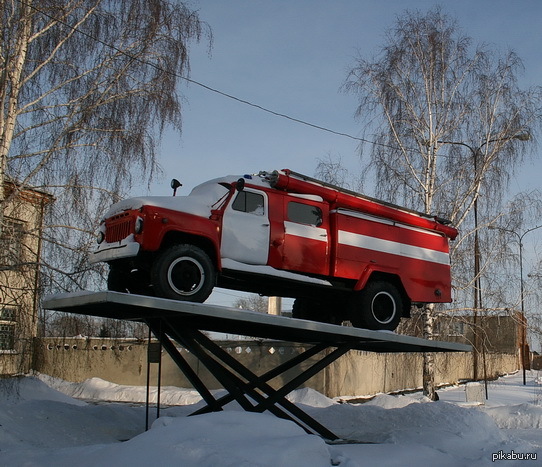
464, 111
86, 89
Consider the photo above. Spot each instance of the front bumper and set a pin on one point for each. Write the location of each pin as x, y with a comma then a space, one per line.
106, 252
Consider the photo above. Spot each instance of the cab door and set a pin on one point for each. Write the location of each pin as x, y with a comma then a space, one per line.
306, 236
245, 228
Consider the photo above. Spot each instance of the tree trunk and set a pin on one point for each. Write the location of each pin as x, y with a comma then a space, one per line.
429, 357
10, 86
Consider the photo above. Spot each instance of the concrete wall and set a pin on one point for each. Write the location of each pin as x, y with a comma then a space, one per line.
364, 373
355, 374
125, 361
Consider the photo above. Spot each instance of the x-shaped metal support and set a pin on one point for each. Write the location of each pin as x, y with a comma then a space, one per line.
252, 392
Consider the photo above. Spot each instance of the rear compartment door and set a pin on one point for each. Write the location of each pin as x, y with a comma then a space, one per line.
245, 228
306, 236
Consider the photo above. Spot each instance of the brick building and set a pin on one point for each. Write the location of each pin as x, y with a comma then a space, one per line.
488, 334
20, 246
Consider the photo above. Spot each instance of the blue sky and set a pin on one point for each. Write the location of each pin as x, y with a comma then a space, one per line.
292, 57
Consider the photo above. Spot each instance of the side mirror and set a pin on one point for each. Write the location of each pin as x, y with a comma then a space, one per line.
174, 185
240, 184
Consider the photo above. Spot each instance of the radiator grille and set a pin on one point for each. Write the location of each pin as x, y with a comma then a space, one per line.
118, 228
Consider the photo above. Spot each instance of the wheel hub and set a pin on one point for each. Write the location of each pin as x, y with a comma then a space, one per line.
383, 307
185, 276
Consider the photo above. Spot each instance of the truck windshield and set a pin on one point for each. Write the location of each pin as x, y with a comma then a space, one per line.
210, 193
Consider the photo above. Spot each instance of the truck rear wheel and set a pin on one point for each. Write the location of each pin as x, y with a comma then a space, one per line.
301, 309
183, 272
379, 306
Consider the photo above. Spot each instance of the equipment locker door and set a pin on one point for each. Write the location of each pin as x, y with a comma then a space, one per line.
306, 236
245, 228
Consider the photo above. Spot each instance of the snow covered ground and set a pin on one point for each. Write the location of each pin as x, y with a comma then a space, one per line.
48, 422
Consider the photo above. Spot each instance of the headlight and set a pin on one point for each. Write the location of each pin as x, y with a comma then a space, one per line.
138, 225
101, 237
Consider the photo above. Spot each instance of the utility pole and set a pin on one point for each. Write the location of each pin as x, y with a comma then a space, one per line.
274, 306
523, 324
477, 302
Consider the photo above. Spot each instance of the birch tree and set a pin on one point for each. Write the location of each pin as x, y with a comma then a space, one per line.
86, 89
252, 302
451, 124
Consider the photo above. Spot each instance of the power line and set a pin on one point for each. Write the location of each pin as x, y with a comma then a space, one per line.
204, 86
273, 112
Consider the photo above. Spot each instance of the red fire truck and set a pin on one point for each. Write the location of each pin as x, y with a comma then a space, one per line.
341, 255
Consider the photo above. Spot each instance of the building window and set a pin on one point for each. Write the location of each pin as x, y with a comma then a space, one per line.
247, 201
7, 328
458, 328
448, 328
11, 243
304, 214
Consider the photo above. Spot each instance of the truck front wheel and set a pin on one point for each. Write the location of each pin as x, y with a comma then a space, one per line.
183, 272
379, 306
127, 280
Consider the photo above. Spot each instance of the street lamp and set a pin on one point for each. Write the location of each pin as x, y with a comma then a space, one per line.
521, 288
476, 152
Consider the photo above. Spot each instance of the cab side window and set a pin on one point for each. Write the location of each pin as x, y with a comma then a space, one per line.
304, 214
252, 203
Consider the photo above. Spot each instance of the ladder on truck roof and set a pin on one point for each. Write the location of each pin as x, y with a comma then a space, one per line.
293, 182
362, 196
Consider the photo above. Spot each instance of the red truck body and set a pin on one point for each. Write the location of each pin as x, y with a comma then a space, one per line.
342, 255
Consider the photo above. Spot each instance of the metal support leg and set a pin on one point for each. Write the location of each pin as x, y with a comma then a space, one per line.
277, 371
229, 381
186, 369
279, 394
253, 381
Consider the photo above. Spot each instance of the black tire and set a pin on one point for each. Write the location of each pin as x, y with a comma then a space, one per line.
183, 272
379, 307
300, 309
117, 280
125, 280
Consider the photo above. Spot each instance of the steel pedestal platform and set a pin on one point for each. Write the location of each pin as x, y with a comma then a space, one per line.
183, 322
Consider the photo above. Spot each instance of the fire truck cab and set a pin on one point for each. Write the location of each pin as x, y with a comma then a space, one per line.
341, 255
